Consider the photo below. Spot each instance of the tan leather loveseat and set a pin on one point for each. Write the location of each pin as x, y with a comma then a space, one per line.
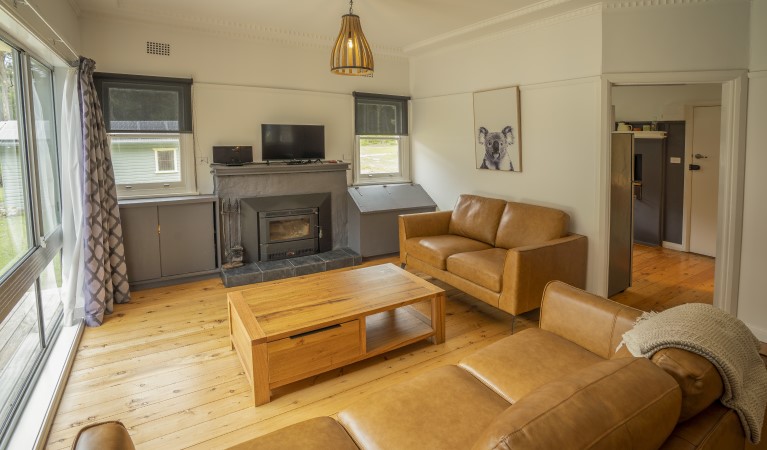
500, 252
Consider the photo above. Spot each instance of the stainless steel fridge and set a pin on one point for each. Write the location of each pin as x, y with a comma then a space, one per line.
621, 211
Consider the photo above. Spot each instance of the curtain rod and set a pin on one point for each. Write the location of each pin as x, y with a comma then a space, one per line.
76, 61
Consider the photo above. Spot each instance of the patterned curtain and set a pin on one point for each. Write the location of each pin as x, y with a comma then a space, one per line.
106, 277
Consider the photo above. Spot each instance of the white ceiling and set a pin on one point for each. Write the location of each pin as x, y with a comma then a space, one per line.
396, 25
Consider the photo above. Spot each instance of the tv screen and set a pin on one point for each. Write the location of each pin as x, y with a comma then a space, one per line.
280, 142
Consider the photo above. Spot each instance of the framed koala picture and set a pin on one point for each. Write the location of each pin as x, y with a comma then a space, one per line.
496, 130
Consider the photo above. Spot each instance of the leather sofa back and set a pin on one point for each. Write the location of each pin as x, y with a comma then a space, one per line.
593, 322
477, 217
522, 224
620, 403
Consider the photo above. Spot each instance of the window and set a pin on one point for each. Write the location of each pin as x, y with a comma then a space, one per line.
149, 122
165, 160
382, 150
30, 227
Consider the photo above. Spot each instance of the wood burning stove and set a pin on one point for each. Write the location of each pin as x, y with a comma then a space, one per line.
288, 233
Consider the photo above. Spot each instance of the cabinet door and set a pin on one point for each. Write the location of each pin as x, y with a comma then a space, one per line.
187, 238
142, 243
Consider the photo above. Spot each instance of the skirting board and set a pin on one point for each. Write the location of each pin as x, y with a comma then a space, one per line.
673, 246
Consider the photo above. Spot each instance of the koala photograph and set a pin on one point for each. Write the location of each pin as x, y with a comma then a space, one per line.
496, 128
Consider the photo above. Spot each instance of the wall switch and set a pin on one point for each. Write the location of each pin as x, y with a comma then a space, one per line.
675, 160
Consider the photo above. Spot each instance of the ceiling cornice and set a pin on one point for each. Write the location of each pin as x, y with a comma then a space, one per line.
482, 25
227, 28
76, 7
631, 4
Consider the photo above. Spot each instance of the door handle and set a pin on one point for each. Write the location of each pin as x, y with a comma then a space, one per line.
699, 156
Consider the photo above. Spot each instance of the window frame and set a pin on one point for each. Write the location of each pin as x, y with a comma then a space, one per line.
363, 129
401, 176
25, 274
185, 167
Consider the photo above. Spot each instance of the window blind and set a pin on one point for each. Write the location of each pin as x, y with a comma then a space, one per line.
380, 115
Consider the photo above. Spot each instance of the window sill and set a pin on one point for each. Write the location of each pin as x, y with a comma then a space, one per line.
381, 180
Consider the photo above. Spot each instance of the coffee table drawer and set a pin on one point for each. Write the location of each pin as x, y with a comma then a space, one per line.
294, 357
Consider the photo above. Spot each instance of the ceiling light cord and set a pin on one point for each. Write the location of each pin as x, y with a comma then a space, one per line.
351, 6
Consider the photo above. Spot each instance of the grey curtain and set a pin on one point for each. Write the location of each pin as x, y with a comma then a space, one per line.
106, 277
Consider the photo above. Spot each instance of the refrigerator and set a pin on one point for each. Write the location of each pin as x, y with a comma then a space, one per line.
622, 188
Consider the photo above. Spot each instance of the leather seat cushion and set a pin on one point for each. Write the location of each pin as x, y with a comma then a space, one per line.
477, 217
434, 250
103, 436
614, 404
314, 434
484, 267
517, 365
522, 224
717, 427
442, 408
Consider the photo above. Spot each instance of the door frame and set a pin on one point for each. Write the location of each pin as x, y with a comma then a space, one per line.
732, 158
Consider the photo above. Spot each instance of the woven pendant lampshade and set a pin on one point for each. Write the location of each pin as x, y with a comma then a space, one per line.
351, 53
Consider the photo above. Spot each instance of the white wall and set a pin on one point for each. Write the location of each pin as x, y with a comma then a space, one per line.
560, 120
241, 82
61, 15
752, 302
682, 37
661, 103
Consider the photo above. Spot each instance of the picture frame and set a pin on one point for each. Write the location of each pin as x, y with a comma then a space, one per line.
497, 137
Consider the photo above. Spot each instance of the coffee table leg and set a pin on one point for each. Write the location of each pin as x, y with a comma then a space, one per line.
261, 391
438, 317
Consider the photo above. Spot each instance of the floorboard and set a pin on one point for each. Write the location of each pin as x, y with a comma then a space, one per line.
162, 364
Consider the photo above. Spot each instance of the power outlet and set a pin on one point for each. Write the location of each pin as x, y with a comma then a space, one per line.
203, 160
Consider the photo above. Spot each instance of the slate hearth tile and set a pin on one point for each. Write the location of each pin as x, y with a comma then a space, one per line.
333, 255
246, 274
276, 270
305, 265
356, 256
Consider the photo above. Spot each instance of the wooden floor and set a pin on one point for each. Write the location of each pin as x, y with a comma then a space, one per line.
162, 364
665, 278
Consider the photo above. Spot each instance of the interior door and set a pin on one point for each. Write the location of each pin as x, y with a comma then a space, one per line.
704, 174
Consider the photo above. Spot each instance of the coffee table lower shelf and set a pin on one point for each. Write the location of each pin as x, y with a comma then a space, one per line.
269, 363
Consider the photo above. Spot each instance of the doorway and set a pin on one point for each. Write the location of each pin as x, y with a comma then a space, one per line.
674, 158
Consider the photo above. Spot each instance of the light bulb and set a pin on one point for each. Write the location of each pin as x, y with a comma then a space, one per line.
349, 43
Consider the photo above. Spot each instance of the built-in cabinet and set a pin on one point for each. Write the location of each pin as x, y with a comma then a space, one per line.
169, 239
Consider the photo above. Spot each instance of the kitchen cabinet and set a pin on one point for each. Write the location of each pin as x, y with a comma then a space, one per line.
169, 239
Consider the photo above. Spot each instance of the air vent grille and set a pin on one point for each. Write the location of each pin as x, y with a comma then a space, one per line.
157, 48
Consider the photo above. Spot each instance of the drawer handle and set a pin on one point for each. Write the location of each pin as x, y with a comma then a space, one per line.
319, 330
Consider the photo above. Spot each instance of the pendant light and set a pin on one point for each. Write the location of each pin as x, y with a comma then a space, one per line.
351, 53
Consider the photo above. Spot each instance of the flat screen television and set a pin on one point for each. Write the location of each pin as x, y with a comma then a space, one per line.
292, 142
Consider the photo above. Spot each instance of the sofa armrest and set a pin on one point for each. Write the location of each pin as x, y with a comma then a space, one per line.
593, 322
528, 269
419, 225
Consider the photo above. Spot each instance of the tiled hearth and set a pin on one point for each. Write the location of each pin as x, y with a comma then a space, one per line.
286, 268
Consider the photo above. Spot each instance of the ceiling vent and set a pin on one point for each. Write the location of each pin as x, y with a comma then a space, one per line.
157, 48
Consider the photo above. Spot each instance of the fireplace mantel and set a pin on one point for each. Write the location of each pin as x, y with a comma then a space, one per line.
219, 170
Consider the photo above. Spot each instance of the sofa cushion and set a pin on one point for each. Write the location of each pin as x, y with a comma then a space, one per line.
716, 428
443, 408
103, 436
477, 217
434, 250
699, 380
615, 404
522, 224
484, 267
517, 365
314, 434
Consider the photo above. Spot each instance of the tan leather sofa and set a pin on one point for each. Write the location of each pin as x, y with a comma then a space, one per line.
559, 386
500, 252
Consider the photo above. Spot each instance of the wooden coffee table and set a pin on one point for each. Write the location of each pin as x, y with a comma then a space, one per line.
289, 330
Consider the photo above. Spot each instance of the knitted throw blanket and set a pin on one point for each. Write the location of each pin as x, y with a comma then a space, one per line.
722, 339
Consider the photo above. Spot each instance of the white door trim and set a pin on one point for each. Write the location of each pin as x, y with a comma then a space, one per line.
731, 172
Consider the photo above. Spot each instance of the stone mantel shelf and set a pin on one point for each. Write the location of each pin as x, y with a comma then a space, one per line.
274, 168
